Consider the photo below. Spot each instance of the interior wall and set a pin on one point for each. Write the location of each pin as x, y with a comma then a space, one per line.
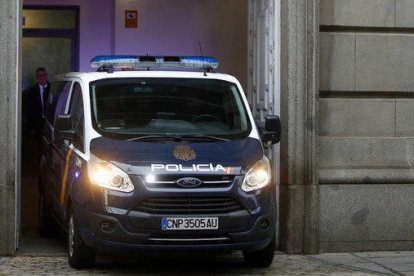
96, 27
172, 27
176, 27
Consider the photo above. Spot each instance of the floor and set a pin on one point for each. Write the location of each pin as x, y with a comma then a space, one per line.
380, 263
39, 256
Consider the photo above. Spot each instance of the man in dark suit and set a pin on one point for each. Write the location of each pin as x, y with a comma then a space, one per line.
37, 97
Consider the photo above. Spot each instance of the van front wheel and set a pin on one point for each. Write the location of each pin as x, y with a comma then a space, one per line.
261, 258
79, 254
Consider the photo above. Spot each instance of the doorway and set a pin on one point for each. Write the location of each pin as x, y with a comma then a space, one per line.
51, 41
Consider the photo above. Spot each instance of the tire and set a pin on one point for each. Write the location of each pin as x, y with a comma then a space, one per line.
79, 254
261, 258
47, 224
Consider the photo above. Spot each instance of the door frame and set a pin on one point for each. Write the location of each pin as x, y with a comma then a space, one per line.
73, 34
264, 78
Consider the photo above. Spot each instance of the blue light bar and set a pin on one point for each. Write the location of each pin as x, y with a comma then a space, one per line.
144, 62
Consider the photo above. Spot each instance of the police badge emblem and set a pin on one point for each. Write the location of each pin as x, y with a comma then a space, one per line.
184, 152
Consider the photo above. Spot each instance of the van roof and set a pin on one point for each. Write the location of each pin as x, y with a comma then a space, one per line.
92, 76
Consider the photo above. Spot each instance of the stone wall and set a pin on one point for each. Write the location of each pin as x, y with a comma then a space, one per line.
10, 76
366, 125
299, 153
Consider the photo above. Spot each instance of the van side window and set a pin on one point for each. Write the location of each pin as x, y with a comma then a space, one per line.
55, 89
76, 111
57, 100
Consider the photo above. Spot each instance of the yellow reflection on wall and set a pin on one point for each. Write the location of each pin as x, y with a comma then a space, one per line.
49, 19
55, 54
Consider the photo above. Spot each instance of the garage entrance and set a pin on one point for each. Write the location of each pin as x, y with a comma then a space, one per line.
65, 37
50, 40
299, 21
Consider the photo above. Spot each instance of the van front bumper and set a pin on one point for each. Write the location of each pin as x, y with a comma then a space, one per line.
106, 233
246, 221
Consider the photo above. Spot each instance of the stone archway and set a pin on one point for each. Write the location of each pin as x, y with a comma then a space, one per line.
299, 112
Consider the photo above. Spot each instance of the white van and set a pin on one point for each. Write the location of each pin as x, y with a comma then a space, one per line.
149, 159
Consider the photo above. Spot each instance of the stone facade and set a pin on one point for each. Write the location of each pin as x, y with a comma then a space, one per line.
366, 125
347, 109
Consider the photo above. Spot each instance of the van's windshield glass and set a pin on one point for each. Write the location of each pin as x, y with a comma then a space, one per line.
141, 108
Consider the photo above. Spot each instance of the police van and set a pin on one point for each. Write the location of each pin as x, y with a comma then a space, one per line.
156, 153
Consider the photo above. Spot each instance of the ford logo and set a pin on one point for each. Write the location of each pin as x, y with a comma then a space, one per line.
189, 182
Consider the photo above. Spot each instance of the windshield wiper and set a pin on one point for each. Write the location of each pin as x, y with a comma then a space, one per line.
154, 137
177, 138
204, 137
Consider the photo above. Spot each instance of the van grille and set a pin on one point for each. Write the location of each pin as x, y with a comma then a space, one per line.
188, 205
208, 181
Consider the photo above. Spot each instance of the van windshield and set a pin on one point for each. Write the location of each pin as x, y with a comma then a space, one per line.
138, 108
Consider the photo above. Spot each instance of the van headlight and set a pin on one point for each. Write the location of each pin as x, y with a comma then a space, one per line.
109, 176
258, 176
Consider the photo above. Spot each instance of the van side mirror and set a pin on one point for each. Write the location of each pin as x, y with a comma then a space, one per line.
272, 130
63, 128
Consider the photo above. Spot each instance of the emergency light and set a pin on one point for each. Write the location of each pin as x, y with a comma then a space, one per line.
106, 63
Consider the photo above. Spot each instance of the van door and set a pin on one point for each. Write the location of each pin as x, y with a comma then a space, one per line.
48, 134
58, 147
76, 152
77, 114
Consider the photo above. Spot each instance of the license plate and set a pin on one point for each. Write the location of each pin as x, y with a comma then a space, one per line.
187, 223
